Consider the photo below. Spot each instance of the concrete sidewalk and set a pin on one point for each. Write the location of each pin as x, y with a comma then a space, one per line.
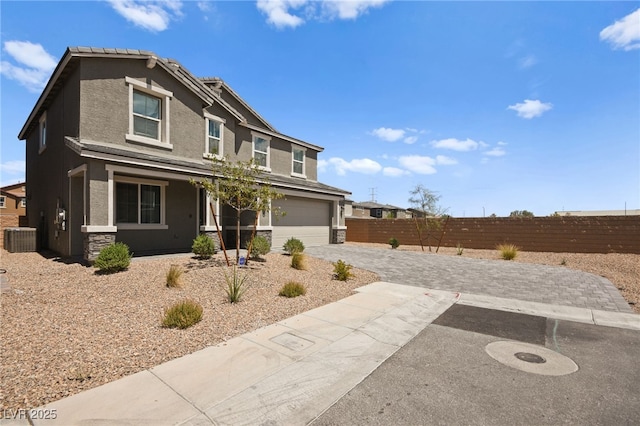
290, 372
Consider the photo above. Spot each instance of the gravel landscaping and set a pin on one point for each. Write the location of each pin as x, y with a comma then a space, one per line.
66, 329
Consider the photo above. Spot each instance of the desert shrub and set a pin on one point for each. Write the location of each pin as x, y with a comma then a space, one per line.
292, 289
182, 315
394, 243
459, 249
293, 245
508, 251
259, 247
342, 270
113, 258
203, 246
236, 285
298, 261
174, 276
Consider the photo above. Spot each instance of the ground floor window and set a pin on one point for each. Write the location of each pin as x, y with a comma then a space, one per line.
138, 203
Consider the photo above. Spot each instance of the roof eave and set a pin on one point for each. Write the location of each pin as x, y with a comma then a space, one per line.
284, 137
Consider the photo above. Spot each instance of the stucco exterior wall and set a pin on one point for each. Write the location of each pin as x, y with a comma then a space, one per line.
46, 177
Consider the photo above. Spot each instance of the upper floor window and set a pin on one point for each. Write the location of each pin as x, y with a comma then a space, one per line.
3, 202
297, 166
23, 202
42, 132
148, 114
214, 136
261, 151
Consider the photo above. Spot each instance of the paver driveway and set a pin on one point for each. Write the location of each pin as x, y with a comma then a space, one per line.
537, 283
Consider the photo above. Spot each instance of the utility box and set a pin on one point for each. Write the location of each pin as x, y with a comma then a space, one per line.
20, 240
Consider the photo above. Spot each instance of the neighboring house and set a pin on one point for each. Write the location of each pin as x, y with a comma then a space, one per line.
380, 211
116, 136
12, 208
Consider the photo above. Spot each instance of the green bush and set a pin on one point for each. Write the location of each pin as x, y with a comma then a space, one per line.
508, 251
174, 276
182, 315
113, 258
259, 247
203, 246
292, 289
342, 270
298, 261
236, 285
394, 243
293, 245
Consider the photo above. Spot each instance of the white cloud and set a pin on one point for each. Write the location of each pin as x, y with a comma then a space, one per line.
15, 169
341, 166
277, 12
625, 33
495, 152
36, 65
349, 9
204, 6
149, 15
530, 108
456, 144
393, 135
284, 13
418, 164
394, 172
527, 62
445, 161
388, 134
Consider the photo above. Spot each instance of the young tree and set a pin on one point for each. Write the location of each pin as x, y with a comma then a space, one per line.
425, 202
243, 187
521, 213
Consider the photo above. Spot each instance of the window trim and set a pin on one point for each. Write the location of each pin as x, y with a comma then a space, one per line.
164, 96
42, 132
3, 201
295, 148
163, 203
207, 118
23, 202
255, 135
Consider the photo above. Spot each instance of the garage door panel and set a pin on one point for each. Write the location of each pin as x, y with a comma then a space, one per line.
309, 235
305, 219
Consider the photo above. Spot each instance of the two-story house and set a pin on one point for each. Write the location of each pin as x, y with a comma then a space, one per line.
115, 137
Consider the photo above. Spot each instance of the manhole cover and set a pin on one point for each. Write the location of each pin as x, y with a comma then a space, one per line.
529, 357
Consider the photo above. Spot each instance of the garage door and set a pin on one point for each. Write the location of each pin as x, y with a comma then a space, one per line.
305, 219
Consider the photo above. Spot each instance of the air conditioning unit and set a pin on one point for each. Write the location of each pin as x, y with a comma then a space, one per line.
20, 240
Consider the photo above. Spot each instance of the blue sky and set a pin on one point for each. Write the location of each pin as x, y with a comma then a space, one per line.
496, 106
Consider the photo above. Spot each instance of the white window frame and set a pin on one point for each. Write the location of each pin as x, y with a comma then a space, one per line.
23, 202
163, 202
210, 117
295, 148
253, 149
42, 132
3, 201
165, 96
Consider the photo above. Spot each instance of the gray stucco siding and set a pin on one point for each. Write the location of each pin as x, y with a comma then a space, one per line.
105, 106
98, 194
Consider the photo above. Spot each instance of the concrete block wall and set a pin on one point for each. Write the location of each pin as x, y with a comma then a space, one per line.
573, 234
